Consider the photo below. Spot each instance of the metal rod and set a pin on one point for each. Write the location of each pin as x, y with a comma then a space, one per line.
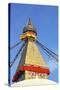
15, 45
17, 54
47, 50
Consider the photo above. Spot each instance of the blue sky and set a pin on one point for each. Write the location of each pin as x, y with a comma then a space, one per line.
45, 20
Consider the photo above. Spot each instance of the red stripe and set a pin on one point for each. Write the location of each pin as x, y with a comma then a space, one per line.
35, 69
30, 68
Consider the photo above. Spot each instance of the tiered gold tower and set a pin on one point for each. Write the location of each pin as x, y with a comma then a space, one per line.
32, 64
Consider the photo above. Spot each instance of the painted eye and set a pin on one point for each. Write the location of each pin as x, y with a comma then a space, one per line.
42, 75
33, 74
39, 74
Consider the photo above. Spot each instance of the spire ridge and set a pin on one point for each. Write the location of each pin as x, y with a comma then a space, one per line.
29, 22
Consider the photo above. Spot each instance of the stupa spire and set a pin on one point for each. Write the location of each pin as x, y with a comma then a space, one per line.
29, 22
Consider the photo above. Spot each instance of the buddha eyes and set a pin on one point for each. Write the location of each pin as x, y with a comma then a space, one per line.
37, 75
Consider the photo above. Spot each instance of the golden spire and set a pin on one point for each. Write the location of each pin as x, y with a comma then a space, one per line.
29, 25
29, 31
29, 22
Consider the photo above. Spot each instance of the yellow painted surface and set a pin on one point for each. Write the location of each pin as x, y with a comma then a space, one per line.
33, 55
27, 35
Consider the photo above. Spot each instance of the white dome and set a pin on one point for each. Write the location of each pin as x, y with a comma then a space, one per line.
34, 82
